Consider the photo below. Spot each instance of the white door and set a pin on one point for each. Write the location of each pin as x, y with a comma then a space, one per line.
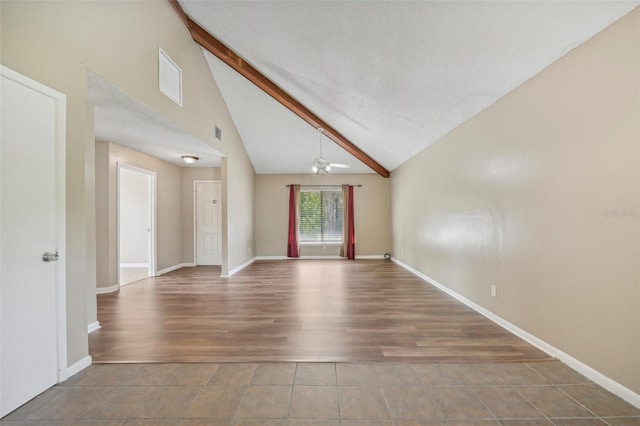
32, 136
208, 224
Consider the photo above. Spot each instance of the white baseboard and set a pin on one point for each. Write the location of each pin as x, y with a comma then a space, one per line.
590, 373
366, 256
134, 265
174, 268
239, 268
75, 368
103, 290
93, 326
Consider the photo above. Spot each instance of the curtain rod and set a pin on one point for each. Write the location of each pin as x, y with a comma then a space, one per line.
316, 186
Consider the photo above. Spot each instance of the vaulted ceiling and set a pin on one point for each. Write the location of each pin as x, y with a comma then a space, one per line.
393, 77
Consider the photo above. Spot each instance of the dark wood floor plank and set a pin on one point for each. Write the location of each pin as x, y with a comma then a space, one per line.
302, 310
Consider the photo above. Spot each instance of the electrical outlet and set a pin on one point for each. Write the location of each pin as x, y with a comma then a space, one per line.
249, 250
494, 290
401, 251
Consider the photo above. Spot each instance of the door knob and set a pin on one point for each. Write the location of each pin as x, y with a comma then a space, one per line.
50, 257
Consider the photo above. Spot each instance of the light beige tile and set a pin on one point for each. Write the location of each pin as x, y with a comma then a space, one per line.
397, 375
553, 402
233, 374
482, 374
208, 422
360, 403
216, 402
191, 374
600, 401
356, 375
506, 402
578, 422
411, 403
274, 374
149, 374
526, 422
260, 422
440, 374
365, 423
459, 403
151, 422
623, 421
519, 374
36, 403
73, 404
419, 423
168, 402
314, 402
268, 402
309, 422
316, 374
121, 403
107, 375
558, 373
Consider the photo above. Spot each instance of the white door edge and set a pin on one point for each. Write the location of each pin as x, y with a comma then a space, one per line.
153, 267
61, 278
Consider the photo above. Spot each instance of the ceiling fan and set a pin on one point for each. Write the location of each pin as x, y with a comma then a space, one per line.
321, 165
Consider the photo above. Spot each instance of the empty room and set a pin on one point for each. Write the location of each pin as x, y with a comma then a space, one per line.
320, 213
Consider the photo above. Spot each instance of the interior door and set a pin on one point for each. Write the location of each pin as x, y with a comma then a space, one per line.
208, 224
29, 225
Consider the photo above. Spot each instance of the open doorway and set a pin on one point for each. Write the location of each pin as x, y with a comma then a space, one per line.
136, 230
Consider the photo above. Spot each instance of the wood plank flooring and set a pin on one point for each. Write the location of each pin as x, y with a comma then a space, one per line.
302, 310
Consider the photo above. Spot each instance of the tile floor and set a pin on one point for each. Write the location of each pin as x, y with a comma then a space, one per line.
301, 394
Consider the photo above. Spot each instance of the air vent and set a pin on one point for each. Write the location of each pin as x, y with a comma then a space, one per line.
218, 133
170, 77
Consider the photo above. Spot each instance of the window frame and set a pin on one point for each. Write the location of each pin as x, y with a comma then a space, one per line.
320, 189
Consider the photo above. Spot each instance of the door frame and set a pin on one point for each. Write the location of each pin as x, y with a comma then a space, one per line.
60, 197
152, 243
195, 215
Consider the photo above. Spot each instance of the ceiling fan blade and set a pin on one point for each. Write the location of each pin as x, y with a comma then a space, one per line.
340, 166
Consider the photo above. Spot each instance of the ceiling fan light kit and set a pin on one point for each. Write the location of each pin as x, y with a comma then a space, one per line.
321, 166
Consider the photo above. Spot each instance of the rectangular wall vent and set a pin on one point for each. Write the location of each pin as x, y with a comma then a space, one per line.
170, 77
218, 133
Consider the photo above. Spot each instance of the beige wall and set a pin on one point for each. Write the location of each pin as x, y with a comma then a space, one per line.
55, 43
521, 196
238, 219
168, 209
372, 213
174, 212
189, 175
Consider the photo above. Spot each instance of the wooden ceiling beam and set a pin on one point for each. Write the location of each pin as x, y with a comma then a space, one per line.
229, 57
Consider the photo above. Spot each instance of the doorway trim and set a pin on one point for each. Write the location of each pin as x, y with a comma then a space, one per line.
152, 245
195, 216
63, 369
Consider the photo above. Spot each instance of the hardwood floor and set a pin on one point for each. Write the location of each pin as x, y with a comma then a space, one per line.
302, 310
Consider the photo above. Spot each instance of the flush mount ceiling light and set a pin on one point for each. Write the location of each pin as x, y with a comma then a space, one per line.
190, 159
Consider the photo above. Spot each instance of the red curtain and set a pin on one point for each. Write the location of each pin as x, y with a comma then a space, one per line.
292, 242
351, 234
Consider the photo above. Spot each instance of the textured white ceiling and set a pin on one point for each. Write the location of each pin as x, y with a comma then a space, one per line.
124, 120
393, 77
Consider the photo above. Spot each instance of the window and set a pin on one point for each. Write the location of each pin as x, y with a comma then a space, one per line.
320, 216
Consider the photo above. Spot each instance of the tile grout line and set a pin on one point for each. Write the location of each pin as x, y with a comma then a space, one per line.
578, 402
534, 405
